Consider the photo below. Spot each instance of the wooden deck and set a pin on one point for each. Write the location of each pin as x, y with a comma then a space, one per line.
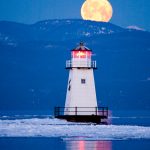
99, 114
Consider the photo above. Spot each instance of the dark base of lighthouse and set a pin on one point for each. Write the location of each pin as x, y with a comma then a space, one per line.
99, 115
84, 118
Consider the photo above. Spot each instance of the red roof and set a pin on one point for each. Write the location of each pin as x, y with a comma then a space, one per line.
81, 47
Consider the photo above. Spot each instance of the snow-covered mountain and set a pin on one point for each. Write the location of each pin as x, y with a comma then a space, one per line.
133, 27
32, 62
56, 30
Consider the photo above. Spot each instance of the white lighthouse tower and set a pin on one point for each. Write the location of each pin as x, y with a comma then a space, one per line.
81, 101
81, 92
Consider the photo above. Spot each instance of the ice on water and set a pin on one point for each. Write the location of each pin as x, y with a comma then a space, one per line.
49, 127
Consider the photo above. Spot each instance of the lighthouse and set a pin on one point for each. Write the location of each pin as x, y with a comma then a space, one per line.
81, 101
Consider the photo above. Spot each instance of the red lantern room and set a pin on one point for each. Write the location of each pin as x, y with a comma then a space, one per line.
81, 52
81, 58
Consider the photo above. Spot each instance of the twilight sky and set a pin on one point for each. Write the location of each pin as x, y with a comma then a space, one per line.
126, 12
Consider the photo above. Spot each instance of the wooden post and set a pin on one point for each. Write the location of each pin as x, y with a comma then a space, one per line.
96, 111
107, 112
58, 110
55, 112
75, 110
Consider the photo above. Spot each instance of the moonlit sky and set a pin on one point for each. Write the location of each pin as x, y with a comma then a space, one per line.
126, 12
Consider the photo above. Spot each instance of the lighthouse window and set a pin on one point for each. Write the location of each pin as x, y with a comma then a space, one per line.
69, 88
69, 81
83, 81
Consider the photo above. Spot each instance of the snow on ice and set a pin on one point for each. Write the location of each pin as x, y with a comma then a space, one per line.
48, 127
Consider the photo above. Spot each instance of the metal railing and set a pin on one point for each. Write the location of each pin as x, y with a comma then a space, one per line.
80, 64
98, 111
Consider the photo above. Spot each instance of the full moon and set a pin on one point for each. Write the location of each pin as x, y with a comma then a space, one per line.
97, 10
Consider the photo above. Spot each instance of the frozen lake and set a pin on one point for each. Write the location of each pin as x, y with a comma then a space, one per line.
48, 127
44, 132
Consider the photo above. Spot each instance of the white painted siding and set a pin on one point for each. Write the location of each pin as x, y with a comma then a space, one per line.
81, 95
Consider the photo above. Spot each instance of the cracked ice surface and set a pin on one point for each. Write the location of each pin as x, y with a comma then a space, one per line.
48, 127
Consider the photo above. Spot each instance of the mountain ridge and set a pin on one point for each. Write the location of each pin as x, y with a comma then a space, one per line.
43, 28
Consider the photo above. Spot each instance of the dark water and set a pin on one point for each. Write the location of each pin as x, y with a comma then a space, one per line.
76, 143
140, 118
59, 144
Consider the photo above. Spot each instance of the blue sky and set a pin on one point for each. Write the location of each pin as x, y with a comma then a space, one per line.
127, 12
